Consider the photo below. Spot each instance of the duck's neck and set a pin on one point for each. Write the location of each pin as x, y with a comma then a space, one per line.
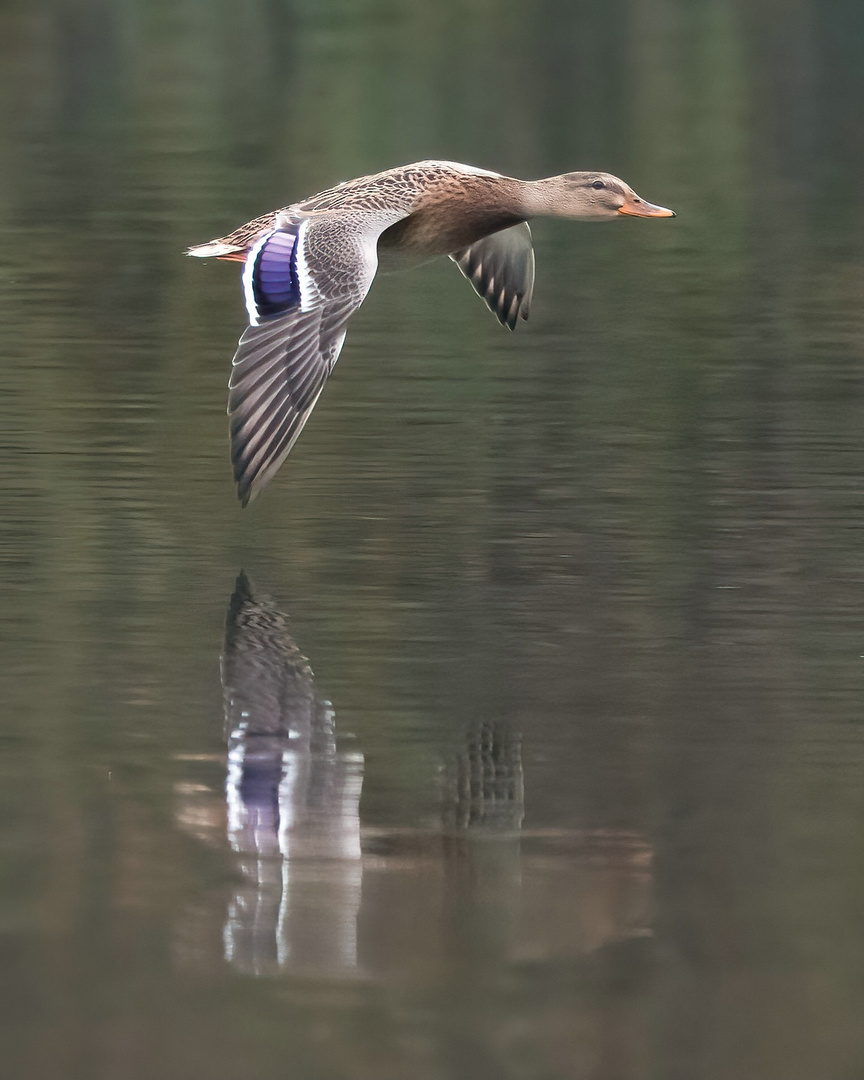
540, 197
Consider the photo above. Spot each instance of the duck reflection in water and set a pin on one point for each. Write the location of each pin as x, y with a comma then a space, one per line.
463, 887
292, 803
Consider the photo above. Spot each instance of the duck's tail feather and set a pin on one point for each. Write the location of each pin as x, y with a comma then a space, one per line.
218, 249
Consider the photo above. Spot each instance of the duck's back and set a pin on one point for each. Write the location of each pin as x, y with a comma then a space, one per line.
446, 204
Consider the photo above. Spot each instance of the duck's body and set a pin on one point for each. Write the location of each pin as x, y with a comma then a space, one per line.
308, 267
441, 207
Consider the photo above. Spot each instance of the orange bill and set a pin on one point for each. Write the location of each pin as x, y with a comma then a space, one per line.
636, 207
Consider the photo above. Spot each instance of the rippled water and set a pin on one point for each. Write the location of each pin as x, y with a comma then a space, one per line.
576, 787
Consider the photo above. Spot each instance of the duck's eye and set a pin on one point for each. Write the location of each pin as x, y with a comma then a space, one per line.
598, 184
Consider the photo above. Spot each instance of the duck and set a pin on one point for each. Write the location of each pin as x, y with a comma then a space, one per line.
307, 268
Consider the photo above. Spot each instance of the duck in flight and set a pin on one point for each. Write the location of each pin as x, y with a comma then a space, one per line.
308, 267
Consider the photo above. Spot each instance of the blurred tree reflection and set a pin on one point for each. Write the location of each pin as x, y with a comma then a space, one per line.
632, 530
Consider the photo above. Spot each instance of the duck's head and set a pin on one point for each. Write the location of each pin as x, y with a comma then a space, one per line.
597, 196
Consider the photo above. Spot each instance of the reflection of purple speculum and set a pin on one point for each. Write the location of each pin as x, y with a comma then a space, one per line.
293, 803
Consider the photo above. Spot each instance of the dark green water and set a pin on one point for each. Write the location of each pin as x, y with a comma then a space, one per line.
577, 788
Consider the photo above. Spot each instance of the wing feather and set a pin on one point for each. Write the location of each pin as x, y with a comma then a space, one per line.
501, 269
284, 358
272, 392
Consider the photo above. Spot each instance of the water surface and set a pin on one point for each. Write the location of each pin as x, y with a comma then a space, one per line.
549, 645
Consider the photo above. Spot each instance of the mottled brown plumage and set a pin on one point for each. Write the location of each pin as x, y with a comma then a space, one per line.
308, 266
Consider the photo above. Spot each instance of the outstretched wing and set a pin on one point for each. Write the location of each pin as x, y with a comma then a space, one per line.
501, 269
302, 282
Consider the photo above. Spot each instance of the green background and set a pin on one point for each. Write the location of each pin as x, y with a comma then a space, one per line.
631, 533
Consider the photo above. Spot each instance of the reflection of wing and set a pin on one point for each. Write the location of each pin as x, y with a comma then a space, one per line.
501, 269
266, 679
487, 790
292, 800
302, 280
